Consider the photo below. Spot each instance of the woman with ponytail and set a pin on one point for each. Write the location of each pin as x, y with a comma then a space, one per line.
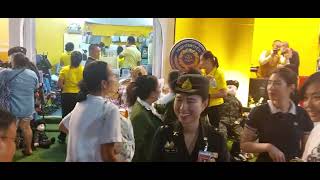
69, 78
144, 118
94, 124
128, 96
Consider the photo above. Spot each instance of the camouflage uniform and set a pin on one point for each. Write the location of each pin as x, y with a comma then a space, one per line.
231, 117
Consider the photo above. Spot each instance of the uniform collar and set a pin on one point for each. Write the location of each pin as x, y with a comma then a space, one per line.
274, 110
144, 104
202, 140
178, 129
149, 107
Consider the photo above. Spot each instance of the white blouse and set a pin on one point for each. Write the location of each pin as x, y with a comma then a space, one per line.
312, 144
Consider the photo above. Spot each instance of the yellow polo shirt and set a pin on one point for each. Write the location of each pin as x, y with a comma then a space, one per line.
71, 78
66, 58
131, 56
220, 83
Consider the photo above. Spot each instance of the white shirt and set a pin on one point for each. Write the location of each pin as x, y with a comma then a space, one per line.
165, 99
312, 143
92, 122
149, 107
274, 109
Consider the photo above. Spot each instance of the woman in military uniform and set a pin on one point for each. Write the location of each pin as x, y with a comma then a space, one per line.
144, 118
189, 138
281, 127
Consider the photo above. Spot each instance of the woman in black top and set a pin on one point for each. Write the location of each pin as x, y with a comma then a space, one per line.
189, 139
280, 126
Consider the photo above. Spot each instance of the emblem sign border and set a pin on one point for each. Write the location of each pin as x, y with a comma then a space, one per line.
181, 46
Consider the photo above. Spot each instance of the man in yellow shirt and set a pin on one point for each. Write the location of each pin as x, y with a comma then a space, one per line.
69, 78
270, 60
217, 88
66, 56
132, 56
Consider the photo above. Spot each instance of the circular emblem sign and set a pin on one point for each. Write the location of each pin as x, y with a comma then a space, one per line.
185, 54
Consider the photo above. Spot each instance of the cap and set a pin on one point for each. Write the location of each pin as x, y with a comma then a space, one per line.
194, 84
233, 82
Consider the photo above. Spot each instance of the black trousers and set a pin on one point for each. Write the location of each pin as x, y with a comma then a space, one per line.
68, 102
214, 115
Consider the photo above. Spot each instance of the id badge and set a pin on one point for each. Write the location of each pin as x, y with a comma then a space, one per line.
213, 83
206, 156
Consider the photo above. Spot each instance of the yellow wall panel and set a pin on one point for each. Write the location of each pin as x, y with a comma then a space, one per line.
238, 42
4, 38
228, 39
301, 33
49, 37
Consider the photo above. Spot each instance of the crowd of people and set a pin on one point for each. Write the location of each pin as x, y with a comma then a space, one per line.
107, 120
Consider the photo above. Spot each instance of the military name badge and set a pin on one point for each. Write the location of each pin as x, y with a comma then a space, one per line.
170, 147
206, 156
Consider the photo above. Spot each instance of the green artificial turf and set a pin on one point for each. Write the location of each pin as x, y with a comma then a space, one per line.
56, 153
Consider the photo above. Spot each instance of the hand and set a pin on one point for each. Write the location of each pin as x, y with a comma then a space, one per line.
210, 77
280, 65
275, 154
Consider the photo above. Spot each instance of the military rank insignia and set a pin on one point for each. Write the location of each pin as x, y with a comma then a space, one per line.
170, 147
186, 85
